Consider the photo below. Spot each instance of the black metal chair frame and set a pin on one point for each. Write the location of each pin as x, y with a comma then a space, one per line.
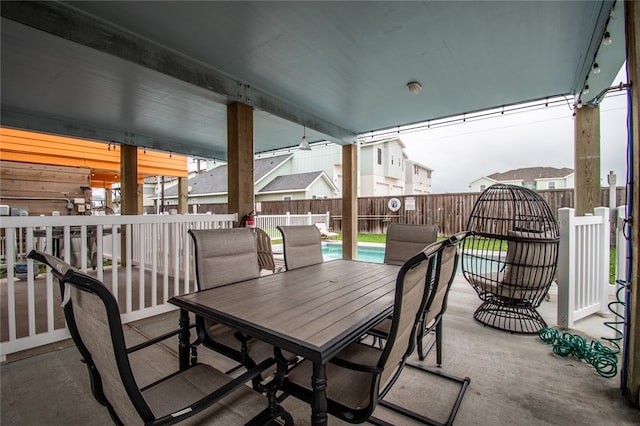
364, 414
68, 276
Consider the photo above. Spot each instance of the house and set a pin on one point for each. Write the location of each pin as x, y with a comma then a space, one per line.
384, 167
536, 178
274, 178
294, 174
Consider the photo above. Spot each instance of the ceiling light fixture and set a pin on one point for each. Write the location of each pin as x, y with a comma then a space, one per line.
585, 91
607, 39
414, 87
304, 143
596, 68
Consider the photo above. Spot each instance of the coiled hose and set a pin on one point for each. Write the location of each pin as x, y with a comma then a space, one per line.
604, 359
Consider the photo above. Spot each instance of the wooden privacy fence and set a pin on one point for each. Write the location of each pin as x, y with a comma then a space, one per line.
449, 211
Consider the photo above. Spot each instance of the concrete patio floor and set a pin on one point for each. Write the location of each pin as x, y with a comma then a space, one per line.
515, 379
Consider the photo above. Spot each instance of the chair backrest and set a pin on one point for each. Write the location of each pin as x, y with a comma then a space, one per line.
302, 245
412, 293
445, 271
404, 241
93, 318
265, 252
224, 256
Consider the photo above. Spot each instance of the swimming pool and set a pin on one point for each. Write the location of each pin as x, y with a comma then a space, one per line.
366, 253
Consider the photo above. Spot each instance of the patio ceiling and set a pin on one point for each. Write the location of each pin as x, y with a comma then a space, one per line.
160, 74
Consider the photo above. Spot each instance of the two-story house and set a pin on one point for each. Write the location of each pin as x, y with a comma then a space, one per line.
536, 178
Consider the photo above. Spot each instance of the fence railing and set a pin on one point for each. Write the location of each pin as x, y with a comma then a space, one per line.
583, 265
269, 222
157, 258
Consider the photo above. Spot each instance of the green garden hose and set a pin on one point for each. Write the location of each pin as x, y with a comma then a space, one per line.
603, 359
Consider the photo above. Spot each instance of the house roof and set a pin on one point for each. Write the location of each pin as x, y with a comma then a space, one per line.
295, 182
263, 166
215, 181
531, 174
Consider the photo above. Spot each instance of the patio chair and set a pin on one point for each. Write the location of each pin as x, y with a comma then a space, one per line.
265, 252
431, 321
222, 257
404, 241
302, 246
93, 319
512, 284
324, 231
360, 376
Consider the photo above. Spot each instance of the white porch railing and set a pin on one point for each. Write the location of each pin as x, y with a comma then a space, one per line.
268, 223
583, 265
157, 258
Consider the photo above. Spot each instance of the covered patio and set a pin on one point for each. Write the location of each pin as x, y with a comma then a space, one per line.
228, 79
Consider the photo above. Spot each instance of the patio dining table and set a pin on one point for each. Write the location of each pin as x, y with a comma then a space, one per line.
314, 312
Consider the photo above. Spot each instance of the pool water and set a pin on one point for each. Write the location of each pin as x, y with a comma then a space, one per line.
367, 253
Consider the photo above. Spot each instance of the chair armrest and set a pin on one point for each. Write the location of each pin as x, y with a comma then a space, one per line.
355, 366
216, 395
156, 339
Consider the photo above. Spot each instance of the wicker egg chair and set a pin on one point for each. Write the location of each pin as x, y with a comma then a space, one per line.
511, 257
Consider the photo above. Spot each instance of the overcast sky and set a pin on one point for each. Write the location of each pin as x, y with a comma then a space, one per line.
462, 153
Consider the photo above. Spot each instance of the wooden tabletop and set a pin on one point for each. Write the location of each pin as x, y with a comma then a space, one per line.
313, 311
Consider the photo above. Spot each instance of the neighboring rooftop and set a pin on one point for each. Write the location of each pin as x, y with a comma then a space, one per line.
292, 182
530, 174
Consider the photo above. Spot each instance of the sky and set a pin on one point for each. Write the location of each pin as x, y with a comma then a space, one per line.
461, 153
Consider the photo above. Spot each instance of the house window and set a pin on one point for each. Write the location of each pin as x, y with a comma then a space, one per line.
483, 187
552, 185
287, 198
380, 156
392, 160
416, 170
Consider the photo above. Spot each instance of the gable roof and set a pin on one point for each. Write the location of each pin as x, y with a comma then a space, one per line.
531, 174
214, 181
295, 182
263, 166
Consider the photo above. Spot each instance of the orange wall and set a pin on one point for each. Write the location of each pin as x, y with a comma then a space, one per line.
103, 159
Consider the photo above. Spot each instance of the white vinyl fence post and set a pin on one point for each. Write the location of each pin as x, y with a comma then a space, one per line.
566, 268
604, 238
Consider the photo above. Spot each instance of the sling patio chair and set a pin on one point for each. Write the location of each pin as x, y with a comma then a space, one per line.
302, 246
222, 257
431, 321
404, 241
265, 252
360, 376
197, 392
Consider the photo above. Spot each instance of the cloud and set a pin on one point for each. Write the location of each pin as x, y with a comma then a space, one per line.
462, 153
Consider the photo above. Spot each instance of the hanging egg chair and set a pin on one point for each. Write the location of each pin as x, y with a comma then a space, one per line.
511, 257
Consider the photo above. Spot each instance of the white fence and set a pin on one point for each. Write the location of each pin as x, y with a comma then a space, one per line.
269, 222
583, 265
158, 258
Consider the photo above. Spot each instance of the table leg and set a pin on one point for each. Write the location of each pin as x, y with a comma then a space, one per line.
184, 339
319, 398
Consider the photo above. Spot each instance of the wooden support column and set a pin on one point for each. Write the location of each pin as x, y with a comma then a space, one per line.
240, 149
183, 195
130, 199
349, 202
587, 160
631, 389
